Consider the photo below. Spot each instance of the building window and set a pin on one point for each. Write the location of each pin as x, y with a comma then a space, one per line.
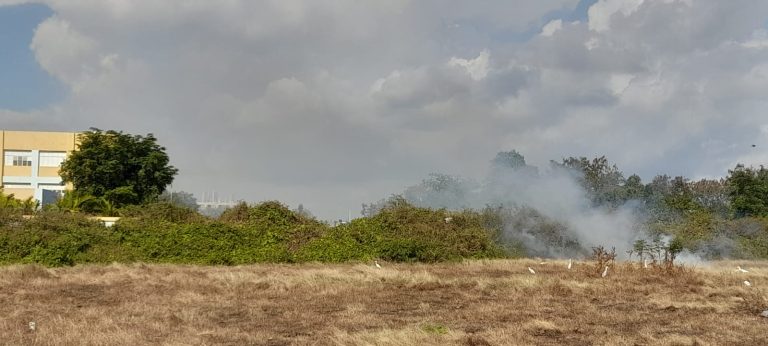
18, 158
51, 159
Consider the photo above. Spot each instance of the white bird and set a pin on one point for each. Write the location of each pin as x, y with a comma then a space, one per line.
448, 219
531, 270
542, 263
605, 272
32, 326
377, 264
747, 283
645, 264
570, 263
738, 269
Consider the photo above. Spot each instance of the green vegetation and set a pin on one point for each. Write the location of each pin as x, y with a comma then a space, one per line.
431, 222
267, 232
122, 169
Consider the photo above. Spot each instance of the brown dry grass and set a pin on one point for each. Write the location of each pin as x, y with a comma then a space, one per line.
472, 303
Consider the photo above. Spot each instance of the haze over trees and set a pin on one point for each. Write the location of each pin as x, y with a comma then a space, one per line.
579, 202
179, 198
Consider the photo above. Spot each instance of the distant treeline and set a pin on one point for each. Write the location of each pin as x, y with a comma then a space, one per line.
516, 211
715, 218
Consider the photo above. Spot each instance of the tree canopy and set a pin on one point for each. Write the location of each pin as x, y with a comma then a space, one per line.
122, 168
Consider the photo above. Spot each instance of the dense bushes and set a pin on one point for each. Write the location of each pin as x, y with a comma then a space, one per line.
270, 232
267, 232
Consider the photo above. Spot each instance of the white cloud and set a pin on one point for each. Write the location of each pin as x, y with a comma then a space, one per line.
550, 28
296, 100
601, 13
477, 67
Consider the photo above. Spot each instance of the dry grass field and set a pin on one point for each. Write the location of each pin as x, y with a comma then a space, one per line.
472, 303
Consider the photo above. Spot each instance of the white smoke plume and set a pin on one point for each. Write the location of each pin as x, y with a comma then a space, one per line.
549, 212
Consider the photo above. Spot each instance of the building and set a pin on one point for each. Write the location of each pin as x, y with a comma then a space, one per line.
31, 163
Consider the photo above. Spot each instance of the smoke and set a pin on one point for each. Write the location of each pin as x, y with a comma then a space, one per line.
548, 212
558, 196
566, 209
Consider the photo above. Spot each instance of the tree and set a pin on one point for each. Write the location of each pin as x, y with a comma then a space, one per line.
749, 190
602, 181
712, 194
122, 168
633, 188
440, 191
508, 159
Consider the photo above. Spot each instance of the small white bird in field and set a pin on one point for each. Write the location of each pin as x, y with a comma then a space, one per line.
738, 269
542, 263
377, 264
645, 264
747, 283
32, 326
605, 272
531, 270
570, 263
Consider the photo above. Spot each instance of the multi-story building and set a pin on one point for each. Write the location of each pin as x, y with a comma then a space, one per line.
31, 163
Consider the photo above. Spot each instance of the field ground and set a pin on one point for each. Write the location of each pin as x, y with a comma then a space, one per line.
471, 303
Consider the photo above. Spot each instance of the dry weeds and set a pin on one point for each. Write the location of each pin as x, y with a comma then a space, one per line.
471, 303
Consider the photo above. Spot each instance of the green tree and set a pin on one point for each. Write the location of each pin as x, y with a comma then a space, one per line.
602, 181
122, 168
634, 188
680, 196
749, 190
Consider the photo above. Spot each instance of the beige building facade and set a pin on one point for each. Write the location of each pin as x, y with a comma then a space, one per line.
31, 162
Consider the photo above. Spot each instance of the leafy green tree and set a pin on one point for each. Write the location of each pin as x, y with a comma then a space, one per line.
749, 190
680, 196
122, 168
602, 181
633, 188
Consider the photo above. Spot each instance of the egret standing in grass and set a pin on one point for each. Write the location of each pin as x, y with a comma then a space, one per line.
747, 283
605, 272
645, 263
377, 264
570, 263
738, 269
531, 270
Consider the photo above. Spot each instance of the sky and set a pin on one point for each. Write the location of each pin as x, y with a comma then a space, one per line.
336, 103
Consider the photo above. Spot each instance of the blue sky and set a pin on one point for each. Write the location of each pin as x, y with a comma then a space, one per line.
23, 84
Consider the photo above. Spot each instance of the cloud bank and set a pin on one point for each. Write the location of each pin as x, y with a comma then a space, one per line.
335, 103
